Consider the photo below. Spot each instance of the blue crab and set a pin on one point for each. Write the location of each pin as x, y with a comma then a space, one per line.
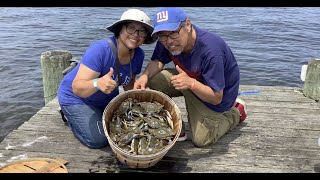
151, 107
162, 132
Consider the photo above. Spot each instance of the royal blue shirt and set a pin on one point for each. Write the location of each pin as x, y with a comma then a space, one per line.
211, 62
99, 57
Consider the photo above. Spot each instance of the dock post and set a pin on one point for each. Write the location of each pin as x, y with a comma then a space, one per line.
311, 87
52, 65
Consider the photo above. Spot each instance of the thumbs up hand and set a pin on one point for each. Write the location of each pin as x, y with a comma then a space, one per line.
179, 69
106, 84
181, 81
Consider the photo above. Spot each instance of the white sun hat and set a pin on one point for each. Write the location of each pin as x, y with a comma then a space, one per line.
137, 16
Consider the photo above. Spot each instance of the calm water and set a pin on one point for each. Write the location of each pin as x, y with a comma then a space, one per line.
271, 45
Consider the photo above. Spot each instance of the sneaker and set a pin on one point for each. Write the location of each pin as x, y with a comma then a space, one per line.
63, 117
242, 107
182, 137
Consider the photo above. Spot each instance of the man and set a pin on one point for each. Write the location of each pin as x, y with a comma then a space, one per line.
206, 73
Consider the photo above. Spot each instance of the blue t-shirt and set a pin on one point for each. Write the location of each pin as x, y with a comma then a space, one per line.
99, 57
211, 62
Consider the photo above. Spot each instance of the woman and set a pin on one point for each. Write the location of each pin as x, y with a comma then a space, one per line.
86, 90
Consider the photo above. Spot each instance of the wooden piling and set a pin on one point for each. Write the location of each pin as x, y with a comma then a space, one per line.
312, 82
52, 64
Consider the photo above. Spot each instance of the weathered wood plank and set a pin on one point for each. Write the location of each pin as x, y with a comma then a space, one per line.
279, 135
250, 138
262, 120
102, 162
268, 88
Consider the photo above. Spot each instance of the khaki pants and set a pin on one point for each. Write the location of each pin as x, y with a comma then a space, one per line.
206, 125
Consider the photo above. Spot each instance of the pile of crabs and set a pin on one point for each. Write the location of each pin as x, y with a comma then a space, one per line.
141, 128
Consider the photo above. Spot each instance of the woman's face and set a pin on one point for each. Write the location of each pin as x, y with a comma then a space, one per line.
133, 34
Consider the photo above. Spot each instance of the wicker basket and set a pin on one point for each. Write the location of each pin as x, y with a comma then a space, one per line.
142, 161
36, 165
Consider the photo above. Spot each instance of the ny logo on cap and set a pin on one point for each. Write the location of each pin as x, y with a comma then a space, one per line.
162, 16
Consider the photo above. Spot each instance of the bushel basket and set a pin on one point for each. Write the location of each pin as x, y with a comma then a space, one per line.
148, 95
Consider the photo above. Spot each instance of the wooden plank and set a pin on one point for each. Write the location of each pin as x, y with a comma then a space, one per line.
280, 135
254, 119
250, 138
269, 88
174, 162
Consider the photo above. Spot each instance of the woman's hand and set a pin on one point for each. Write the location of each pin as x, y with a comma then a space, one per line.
106, 84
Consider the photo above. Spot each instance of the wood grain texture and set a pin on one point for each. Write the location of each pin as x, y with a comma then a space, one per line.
280, 135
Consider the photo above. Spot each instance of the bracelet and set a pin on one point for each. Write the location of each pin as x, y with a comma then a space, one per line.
95, 84
193, 85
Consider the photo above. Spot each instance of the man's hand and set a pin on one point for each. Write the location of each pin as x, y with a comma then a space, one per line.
181, 81
141, 82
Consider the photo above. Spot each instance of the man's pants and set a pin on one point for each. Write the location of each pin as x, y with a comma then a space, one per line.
206, 125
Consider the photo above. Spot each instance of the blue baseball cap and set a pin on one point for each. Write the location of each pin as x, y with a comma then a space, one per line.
168, 19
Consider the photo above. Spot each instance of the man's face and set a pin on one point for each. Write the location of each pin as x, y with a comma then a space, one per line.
174, 41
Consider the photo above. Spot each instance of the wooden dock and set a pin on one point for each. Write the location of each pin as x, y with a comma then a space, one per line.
280, 135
